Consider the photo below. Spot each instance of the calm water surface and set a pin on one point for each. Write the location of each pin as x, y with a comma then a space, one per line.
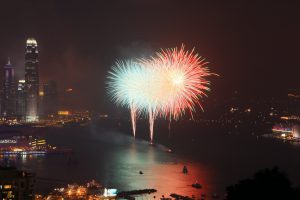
115, 159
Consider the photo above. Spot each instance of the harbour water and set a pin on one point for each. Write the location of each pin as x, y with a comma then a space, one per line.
114, 159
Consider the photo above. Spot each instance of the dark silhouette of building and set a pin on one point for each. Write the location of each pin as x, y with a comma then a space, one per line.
50, 98
266, 184
15, 184
21, 100
31, 79
8, 91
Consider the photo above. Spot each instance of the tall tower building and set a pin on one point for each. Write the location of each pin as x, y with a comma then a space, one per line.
21, 100
9, 91
50, 98
31, 79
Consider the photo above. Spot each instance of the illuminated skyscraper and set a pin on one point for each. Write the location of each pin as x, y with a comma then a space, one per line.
31, 79
21, 100
9, 91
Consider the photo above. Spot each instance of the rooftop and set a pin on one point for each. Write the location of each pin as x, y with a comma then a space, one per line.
31, 41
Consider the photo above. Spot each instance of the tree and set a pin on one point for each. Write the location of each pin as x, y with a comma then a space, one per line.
267, 184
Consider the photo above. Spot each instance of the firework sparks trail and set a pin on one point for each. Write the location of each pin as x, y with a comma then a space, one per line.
166, 85
133, 118
151, 124
124, 86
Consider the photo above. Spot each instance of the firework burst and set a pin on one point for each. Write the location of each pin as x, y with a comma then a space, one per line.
167, 84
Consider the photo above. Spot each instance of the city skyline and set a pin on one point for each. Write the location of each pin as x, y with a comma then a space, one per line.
27, 98
149, 99
77, 50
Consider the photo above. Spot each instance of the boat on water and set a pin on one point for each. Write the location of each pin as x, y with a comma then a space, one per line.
196, 185
185, 170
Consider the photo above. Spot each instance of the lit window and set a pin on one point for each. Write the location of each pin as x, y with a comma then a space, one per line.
7, 186
10, 195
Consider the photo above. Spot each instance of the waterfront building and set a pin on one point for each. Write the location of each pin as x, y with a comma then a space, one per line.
37, 143
8, 91
21, 100
91, 190
31, 79
15, 184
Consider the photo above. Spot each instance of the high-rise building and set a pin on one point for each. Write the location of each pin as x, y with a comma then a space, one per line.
31, 79
41, 103
50, 98
21, 100
8, 91
15, 184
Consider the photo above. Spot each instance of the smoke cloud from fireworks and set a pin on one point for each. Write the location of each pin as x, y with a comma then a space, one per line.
165, 85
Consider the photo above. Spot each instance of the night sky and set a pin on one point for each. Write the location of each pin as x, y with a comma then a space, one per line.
253, 45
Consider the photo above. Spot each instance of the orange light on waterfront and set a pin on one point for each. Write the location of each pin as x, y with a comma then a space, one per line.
81, 191
281, 130
285, 118
63, 112
17, 149
41, 93
7, 186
